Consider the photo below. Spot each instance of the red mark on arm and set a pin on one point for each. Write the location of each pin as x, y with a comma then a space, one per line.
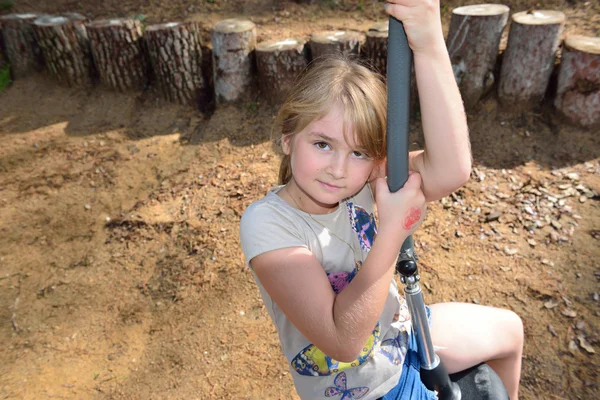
414, 215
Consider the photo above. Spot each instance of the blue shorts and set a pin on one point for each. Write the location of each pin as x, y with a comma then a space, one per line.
409, 385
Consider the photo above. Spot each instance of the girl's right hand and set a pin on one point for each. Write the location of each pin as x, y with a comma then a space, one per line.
402, 212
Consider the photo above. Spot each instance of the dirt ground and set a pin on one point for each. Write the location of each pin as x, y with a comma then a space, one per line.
121, 273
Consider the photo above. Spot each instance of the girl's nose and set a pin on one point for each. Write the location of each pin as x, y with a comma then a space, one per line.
337, 168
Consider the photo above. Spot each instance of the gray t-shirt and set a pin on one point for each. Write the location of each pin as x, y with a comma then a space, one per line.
270, 224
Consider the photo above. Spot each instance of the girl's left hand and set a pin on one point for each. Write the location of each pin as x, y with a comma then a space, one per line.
421, 20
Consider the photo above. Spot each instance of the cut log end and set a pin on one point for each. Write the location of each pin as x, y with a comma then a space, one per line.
280, 45
330, 37
379, 27
585, 44
481, 10
234, 25
162, 27
539, 17
51, 20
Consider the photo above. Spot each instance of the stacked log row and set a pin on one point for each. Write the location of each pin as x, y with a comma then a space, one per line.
233, 44
529, 58
66, 48
473, 41
279, 62
118, 50
20, 44
578, 91
176, 57
376, 46
327, 43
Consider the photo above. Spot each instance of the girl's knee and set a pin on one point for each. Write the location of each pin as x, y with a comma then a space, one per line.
515, 330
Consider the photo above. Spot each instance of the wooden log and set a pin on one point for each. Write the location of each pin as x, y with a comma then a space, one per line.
20, 45
233, 43
473, 41
176, 57
324, 43
529, 58
578, 88
279, 62
376, 46
66, 48
119, 53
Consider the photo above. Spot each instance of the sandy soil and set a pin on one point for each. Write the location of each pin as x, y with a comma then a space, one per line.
121, 274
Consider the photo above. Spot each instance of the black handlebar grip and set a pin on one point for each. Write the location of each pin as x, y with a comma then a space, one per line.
399, 63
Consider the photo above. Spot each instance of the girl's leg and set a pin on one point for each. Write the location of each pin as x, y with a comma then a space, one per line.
470, 334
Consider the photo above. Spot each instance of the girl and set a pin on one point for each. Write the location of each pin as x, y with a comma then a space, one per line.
324, 263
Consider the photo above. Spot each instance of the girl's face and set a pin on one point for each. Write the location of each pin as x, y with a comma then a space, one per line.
325, 167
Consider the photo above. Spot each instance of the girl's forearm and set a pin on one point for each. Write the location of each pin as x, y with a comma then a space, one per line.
445, 164
358, 307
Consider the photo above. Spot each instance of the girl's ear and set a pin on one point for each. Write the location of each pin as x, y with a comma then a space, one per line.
286, 144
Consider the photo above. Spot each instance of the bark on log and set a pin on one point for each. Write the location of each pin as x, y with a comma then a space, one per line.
473, 41
578, 89
529, 57
176, 57
233, 43
279, 63
119, 53
20, 45
66, 48
376, 47
326, 43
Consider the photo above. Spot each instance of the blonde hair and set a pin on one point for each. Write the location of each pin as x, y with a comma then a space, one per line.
327, 82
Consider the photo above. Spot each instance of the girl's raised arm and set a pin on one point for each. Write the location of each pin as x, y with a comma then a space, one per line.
445, 164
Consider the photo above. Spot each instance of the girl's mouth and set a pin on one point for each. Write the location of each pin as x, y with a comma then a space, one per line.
329, 187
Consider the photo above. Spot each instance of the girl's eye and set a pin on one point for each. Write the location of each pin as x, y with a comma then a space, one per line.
358, 154
322, 145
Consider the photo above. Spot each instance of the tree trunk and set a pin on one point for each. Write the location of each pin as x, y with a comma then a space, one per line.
578, 91
279, 63
233, 43
176, 56
66, 48
117, 47
529, 57
473, 41
326, 43
20, 45
376, 47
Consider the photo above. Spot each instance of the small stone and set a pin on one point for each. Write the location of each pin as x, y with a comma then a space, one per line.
531, 242
582, 199
585, 345
573, 176
569, 313
107, 219
242, 313
493, 216
475, 300
505, 268
510, 251
580, 325
572, 346
550, 304
87, 207
552, 330
459, 234
555, 224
